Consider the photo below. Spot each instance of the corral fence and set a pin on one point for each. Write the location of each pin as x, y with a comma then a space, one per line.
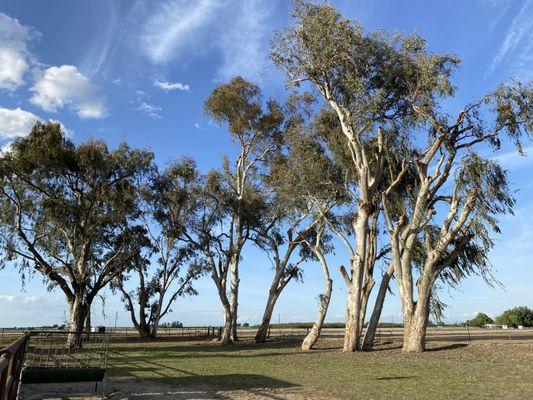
11, 360
59, 357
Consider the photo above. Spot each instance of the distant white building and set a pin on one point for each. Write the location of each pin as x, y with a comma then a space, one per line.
493, 326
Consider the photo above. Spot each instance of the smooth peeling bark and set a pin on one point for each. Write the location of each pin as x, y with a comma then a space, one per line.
415, 324
352, 334
226, 337
234, 299
370, 333
78, 315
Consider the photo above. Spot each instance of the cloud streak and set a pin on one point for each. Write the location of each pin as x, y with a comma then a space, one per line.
173, 27
516, 50
180, 30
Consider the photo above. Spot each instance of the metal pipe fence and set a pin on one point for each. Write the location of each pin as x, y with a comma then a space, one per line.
11, 361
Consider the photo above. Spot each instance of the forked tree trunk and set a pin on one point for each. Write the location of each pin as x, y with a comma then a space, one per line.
370, 334
312, 337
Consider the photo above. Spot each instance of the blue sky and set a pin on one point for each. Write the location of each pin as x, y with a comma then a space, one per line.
140, 70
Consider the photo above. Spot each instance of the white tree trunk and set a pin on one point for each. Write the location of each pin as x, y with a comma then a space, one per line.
234, 298
415, 324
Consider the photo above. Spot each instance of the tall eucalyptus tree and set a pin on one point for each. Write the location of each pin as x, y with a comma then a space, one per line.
457, 196
364, 79
231, 203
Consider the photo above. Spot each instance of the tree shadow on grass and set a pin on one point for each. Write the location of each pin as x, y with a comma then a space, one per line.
393, 378
448, 347
208, 347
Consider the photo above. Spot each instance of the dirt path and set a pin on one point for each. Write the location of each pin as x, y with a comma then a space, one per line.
135, 389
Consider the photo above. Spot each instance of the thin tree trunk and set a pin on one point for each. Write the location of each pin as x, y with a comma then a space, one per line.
262, 332
314, 333
370, 334
88, 320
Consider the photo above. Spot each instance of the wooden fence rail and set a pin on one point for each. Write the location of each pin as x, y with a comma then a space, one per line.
11, 360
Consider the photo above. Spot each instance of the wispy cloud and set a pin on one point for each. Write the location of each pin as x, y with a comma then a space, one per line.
65, 86
174, 26
244, 45
513, 159
181, 30
150, 110
168, 86
104, 41
7, 297
516, 50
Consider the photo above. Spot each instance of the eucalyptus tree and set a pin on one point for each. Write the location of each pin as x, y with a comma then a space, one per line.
457, 196
166, 268
298, 178
231, 202
68, 213
365, 80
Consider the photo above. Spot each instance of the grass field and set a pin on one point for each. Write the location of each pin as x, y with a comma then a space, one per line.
488, 369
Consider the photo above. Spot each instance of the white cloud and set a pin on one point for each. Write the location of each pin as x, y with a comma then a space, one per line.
16, 123
65, 86
173, 26
15, 58
168, 86
149, 109
7, 297
517, 48
31, 299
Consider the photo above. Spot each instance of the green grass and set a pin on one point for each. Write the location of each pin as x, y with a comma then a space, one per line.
481, 371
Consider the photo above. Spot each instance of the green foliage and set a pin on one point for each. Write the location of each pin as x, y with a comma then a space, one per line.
480, 320
517, 316
69, 211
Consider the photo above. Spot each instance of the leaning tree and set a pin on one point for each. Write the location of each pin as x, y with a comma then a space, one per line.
166, 268
68, 213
